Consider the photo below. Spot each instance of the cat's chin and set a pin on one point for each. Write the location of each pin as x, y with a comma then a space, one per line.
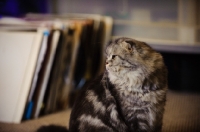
120, 70
118, 75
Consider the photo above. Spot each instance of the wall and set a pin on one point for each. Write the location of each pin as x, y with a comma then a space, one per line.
173, 21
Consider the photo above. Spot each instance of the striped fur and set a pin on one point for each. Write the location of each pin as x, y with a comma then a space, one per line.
129, 97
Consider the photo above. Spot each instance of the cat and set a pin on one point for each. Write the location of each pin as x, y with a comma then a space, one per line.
130, 95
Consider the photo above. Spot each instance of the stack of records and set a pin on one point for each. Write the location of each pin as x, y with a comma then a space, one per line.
45, 57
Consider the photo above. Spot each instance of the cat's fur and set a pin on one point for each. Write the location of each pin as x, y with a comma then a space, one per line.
129, 97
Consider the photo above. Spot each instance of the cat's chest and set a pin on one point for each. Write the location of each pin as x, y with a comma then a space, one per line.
131, 99
130, 102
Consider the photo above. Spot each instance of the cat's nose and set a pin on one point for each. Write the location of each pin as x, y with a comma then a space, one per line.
107, 62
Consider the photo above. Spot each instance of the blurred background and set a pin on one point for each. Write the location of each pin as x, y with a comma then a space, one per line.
172, 27
155, 19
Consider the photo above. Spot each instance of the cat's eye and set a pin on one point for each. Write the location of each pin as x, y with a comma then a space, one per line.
113, 56
129, 48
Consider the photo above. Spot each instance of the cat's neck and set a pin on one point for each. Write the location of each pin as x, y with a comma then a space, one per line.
130, 82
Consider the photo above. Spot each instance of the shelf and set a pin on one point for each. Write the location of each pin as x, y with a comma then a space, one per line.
187, 49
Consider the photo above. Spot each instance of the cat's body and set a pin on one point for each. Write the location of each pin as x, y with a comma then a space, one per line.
129, 97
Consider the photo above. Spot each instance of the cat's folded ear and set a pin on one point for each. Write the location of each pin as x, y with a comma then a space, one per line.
128, 45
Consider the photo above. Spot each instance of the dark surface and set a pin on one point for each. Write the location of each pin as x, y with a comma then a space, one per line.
184, 71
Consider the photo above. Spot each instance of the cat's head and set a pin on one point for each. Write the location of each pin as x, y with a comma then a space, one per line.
126, 56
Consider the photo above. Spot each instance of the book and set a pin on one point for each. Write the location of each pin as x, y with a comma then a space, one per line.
62, 63
18, 57
54, 43
89, 59
62, 77
106, 37
44, 62
37, 93
40, 60
70, 55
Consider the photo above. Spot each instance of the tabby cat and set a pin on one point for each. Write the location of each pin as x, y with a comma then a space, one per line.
129, 97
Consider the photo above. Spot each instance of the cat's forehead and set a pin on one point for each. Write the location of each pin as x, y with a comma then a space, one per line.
113, 48
116, 45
